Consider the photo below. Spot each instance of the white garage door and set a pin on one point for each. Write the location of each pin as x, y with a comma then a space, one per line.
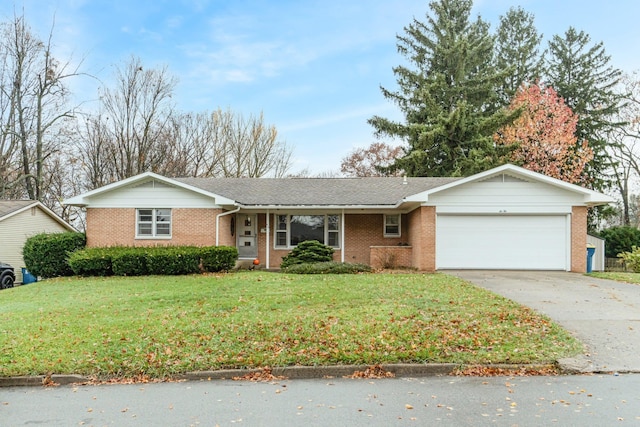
502, 242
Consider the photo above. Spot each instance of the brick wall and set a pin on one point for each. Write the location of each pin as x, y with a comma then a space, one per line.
579, 239
422, 237
365, 230
391, 256
117, 227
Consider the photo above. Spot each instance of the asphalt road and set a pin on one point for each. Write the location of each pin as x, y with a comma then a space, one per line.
594, 400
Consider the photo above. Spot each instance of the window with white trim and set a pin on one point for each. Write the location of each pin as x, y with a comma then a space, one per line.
392, 225
153, 223
293, 229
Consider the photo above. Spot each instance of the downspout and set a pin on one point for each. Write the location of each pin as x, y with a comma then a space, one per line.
218, 223
342, 238
268, 238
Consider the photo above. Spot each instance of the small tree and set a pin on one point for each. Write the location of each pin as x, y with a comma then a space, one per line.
543, 138
308, 252
632, 259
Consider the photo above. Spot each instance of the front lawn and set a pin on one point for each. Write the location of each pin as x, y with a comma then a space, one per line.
163, 326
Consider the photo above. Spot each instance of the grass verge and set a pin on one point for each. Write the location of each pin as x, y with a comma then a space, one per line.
164, 326
618, 276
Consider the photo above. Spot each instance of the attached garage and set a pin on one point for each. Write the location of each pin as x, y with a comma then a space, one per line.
507, 218
502, 242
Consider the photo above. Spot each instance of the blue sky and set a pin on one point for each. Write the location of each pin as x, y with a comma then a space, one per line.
312, 67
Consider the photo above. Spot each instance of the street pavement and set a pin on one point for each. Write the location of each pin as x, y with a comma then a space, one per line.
581, 400
603, 314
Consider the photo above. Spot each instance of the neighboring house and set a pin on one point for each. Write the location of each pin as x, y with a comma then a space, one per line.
19, 220
504, 218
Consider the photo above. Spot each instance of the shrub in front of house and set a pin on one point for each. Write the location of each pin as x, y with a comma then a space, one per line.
165, 260
47, 254
308, 252
218, 258
330, 267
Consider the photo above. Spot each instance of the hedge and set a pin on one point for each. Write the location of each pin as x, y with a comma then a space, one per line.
166, 260
92, 262
46, 254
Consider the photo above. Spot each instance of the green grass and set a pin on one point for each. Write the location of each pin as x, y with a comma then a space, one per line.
164, 326
618, 276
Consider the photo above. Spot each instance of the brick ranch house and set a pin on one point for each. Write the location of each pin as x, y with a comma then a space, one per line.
504, 218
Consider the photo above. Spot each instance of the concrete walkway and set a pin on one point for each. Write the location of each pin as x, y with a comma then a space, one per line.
603, 314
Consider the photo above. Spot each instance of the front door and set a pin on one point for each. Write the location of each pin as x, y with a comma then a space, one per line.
247, 240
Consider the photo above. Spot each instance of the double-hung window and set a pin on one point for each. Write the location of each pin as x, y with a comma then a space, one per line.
392, 225
293, 229
153, 223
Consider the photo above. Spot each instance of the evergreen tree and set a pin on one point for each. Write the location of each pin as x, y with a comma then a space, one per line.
449, 98
582, 75
517, 50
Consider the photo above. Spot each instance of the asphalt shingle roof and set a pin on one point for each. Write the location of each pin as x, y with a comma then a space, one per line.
10, 206
316, 191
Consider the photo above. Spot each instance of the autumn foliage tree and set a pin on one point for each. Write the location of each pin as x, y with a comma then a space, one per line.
372, 161
543, 138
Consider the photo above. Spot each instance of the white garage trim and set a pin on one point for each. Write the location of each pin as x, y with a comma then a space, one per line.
509, 242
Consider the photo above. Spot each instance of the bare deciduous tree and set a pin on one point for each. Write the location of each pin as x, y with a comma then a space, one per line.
134, 115
137, 130
624, 144
32, 105
372, 161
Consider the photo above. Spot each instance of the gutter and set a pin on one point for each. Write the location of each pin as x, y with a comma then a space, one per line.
218, 223
322, 207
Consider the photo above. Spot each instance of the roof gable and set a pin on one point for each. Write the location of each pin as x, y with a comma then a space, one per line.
512, 173
148, 180
10, 208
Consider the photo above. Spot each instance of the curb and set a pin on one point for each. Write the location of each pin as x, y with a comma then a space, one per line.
399, 370
41, 380
312, 372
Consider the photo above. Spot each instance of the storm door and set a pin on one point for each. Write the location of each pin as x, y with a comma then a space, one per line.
247, 240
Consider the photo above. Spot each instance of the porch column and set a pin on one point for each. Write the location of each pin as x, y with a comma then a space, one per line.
342, 229
268, 239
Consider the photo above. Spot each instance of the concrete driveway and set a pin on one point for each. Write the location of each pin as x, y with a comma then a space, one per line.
603, 314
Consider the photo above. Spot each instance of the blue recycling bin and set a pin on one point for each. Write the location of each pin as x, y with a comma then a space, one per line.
28, 277
590, 252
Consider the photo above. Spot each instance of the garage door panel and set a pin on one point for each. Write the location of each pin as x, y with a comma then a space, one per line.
501, 242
